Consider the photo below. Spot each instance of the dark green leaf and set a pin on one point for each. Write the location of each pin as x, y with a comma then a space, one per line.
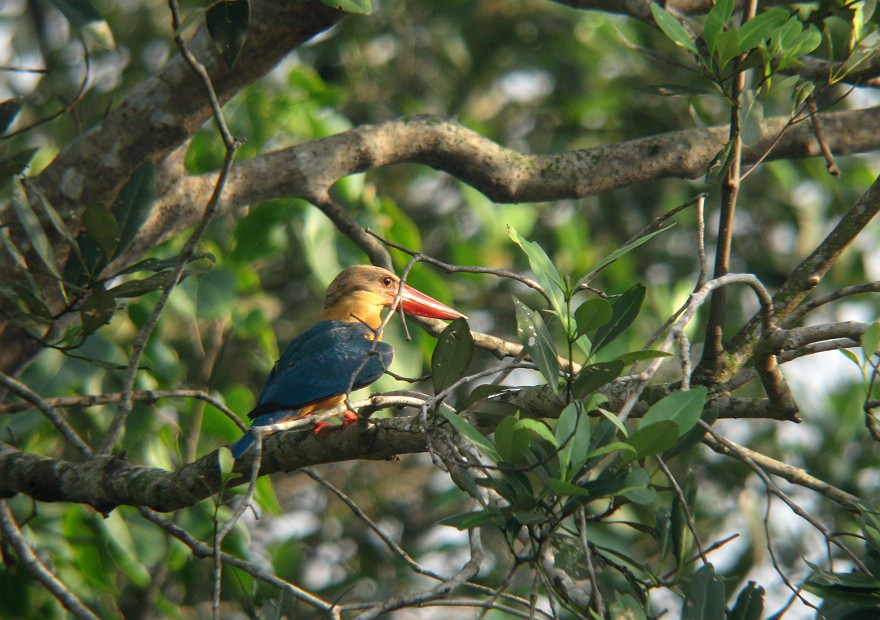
749, 604
621, 251
466, 430
37, 237
573, 435
716, 20
361, 7
676, 90
9, 109
80, 13
644, 354
164, 264
626, 606
467, 520
683, 408
511, 442
591, 315
562, 488
672, 28
101, 226
227, 22
452, 355
33, 301
654, 438
704, 599
760, 28
97, 311
637, 487
15, 164
535, 337
133, 205
136, 288
591, 378
624, 311
545, 272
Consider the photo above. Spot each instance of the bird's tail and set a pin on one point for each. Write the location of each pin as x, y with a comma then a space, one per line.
242, 445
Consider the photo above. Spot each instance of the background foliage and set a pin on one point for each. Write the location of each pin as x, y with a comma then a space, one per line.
536, 77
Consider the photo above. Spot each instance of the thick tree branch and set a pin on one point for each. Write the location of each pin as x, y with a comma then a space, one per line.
309, 170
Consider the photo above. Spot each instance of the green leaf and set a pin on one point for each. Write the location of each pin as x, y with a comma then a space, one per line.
591, 315
871, 339
466, 430
15, 164
165, 264
590, 378
133, 205
266, 498
563, 488
37, 237
759, 29
136, 288
624, 310
511, 442
467, 520
704, 599
726, 48
749, 604
539, 428
227, 22
361, 7
644, 354
626, 606
97, 311
452, 355
716, 20
9, 109
637, 487
573, 434
101, 226
535, 337
621, 251
683, 408
83, 16
546, 274
672, 28
225, 460
653, 438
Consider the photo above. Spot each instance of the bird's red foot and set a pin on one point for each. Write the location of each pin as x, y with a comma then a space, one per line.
349, 417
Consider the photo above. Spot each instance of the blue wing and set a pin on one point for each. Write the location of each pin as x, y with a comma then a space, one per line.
329, 359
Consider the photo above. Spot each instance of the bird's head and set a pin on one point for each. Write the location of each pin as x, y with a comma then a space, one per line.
360, 293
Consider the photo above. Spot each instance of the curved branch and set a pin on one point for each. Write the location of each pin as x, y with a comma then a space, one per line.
308, 170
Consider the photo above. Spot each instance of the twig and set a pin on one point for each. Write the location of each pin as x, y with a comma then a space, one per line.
204, 550
820, 138
148, 396
745, 456
33, 566
117, 424
70, 435
679, 494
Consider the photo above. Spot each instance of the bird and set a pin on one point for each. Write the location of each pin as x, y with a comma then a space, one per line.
341, 353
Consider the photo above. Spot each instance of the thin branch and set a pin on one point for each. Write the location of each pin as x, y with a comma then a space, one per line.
34, 567
67, 431
204, 550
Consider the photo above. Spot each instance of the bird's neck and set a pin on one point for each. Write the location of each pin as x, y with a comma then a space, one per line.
356, 308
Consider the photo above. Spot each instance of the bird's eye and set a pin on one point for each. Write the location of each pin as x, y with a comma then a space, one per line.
387, 280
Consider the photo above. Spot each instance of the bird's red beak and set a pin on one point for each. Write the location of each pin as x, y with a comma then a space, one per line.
416, 302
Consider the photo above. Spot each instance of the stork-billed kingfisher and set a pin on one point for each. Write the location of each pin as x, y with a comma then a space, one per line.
341, 353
